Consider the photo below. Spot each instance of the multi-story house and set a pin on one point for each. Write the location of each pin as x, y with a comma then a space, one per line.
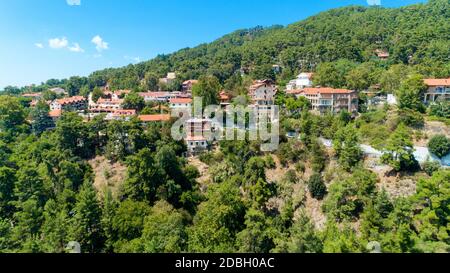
328, 99
196, 134
438, 89
262, 93
159, 96
187, 86
303, 80
76, 103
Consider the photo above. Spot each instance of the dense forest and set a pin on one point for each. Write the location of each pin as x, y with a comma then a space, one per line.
305, 197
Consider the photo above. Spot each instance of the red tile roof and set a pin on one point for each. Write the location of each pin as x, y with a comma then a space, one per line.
181, 100
154, 118
55, 113
190, 82
71, 100
437, 82
321, 90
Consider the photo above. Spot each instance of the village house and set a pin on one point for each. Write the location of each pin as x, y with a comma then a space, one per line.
121, 115
303, 80
180, 103
55, 115
325, 99
76, 103
158, 96
438, 89
382, 54
262, 93
196, 134
187, 86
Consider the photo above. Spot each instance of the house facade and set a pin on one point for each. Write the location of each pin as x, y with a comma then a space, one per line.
303, 80
76, 103
187, 86
438, 89
196, 134
180, 103
329, 99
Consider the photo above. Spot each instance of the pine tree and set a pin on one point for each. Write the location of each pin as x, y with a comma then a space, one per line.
86, 224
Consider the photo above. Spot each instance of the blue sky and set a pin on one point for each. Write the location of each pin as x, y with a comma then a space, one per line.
43, 39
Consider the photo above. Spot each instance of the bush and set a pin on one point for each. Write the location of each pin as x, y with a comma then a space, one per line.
430, 167
300, 167
411, 118
439, 145
317, 187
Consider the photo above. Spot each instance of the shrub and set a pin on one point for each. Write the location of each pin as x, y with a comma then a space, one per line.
430, 167
439, 145
317, 187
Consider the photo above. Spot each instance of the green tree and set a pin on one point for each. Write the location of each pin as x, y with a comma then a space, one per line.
439, 145
134, 101
164, 230
411, 93
317, 187
97, 93
86, 223
346, 146
41, 119
12, 114
218, 220
256, 237
208, 87
399, 150
346, 199
303, 238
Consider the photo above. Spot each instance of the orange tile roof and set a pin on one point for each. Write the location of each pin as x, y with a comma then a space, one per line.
154, 118
322, 90
71, 100
190, 82
55, 113
437, 82
181, 100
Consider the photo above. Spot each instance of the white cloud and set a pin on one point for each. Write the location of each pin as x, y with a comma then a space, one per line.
73, 2
58, 43
39, 45
76, 48
374, 2
100, 45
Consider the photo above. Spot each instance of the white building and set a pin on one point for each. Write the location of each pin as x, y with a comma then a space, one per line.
180, 103
303, 80
437, 89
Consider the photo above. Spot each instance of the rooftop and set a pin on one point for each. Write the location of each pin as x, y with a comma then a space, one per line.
437, 82
154, 118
